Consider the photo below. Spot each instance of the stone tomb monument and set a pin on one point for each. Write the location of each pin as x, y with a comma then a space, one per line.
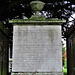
37, 45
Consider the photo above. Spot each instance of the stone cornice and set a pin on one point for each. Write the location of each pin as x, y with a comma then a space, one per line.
53, 21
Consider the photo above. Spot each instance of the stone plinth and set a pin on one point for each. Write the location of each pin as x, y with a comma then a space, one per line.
37, 47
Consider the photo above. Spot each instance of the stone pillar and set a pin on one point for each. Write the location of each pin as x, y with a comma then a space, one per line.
37, 46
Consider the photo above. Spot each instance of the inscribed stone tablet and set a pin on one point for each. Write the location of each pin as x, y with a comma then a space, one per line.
37, 49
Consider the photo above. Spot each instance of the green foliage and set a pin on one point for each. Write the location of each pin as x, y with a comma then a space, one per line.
65, 67
63, 50
65, 71
65, 63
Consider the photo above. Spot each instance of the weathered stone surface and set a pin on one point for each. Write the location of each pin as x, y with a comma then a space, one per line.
37, 6
37, 49
52, 21
36, 73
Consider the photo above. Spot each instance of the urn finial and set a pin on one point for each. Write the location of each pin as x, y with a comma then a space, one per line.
37, 6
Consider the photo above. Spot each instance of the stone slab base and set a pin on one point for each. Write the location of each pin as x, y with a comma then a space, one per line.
36, 73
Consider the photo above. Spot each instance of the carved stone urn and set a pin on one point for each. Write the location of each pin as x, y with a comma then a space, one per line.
37, 6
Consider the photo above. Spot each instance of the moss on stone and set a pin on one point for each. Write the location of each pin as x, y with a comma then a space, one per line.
37, 17
42, 19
